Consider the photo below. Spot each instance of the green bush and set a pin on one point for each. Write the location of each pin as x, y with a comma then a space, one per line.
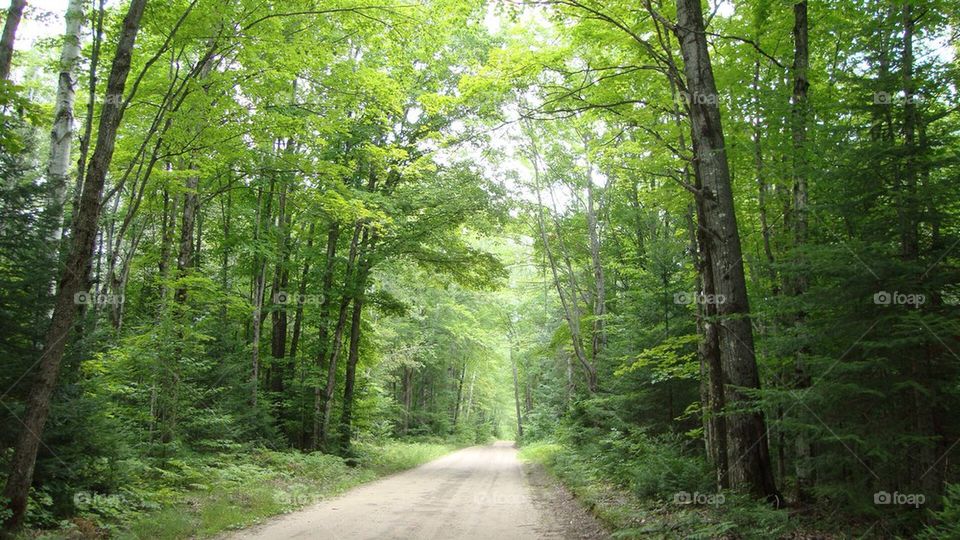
947, 519
199, 495
630, 480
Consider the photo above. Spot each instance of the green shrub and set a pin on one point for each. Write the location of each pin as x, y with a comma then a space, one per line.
947, 519
199, 495
630, 481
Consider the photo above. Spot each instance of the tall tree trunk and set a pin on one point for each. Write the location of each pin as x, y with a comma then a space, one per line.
800, 108
712, 397
168, 406
763, 188
350, 377
516, 394
924, 415
166, 240
466, 410
61, 136
14, 14
91, 102
185, 249
749, 468
908, 214
708, 350
407, 397
456, 408
258, 289
278, 313
599, 339
799, 113
337, 343
226, 209
72, 279
301, 295
363, 272
333, 235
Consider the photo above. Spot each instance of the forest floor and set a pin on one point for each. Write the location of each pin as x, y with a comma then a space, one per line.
478, 492
201, 496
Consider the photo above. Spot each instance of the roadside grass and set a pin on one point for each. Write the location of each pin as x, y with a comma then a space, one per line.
635, 494
207, 495
388, 458
641, 487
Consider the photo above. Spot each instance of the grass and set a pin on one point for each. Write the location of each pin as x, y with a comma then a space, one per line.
630, 483
208, 496
392, 457
622, 497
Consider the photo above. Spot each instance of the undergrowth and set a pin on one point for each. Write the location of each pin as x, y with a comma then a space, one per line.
202, 495
641, 487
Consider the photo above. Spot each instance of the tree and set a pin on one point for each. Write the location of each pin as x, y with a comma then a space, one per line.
750, 467
61, 136
14, 14
74, 275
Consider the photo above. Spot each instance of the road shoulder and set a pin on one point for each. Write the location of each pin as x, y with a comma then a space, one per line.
559, 507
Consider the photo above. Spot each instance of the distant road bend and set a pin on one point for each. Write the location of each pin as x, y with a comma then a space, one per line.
481, 492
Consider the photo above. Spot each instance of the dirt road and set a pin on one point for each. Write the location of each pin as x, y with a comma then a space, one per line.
482, 492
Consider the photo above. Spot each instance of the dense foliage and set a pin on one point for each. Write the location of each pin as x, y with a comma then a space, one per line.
325, 226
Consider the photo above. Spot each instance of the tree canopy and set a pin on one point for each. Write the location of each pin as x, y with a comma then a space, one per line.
674, 248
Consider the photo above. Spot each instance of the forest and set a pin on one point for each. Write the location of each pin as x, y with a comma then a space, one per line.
699, 259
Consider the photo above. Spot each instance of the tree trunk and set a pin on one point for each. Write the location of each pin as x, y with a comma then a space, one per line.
166, 240
353, 356
91, 101
185, 250
72, 279
257, 291
516, 394
257, 321
466, 410
301, 295
407, 397
763, 189
799, 114
908, 214
278, 313
118, 285
14, 14
226, 209
337, 343
599, 339
359, 286
61, 136
456, 408
750, 464
333, 234
168, 406
708, 350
